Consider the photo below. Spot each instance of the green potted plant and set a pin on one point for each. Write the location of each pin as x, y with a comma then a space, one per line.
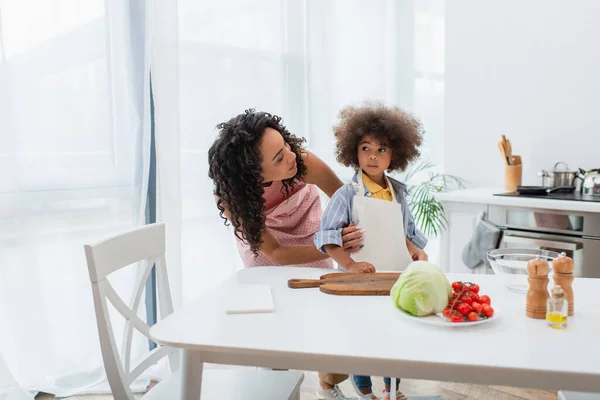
423, 183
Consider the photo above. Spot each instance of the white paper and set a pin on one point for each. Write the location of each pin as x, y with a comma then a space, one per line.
247, 299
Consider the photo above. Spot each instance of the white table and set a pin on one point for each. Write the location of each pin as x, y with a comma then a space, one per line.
314, 331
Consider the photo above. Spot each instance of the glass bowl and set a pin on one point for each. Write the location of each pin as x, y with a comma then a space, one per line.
510, 265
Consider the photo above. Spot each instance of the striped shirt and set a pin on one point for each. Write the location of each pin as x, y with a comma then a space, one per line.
338, 215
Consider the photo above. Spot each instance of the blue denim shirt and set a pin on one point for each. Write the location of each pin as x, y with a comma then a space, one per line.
338, 215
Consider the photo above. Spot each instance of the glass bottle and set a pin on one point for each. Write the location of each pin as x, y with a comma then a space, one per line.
557, 309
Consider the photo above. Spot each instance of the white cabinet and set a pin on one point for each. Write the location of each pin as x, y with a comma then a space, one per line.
461, 225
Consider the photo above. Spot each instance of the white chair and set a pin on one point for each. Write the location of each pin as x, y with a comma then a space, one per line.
148, 244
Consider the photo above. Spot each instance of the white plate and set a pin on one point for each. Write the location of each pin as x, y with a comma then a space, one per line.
439, 320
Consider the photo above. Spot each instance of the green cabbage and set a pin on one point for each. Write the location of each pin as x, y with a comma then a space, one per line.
422, 289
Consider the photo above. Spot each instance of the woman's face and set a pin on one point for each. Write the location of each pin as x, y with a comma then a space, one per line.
278, 162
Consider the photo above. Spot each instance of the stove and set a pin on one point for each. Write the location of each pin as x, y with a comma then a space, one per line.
575, 233
554, 196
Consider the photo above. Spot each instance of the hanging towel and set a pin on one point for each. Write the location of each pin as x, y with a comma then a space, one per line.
485, 238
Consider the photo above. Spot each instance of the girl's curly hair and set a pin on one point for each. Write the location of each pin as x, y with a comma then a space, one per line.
401, 131
234, 166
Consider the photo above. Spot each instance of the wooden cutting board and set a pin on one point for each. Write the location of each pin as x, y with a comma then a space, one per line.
350, 284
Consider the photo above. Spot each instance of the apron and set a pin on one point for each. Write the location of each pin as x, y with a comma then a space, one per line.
384, 240
293, 221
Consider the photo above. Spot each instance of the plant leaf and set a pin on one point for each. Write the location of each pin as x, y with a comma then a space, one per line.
428, 213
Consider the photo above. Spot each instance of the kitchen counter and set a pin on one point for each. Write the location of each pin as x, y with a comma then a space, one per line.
486, 196
531, 222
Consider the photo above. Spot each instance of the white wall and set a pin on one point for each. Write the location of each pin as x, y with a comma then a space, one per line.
527, 69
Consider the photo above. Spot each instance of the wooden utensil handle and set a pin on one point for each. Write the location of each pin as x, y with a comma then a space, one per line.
304, 283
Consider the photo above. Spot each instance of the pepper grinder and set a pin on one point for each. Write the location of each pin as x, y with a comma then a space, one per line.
537, 295
563, 267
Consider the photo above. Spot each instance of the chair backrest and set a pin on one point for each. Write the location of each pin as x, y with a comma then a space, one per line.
145, 244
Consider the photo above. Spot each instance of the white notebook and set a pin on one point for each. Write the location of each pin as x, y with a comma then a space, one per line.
247, 299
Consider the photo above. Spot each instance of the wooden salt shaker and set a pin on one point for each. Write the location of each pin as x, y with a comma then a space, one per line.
537, 295
563, 276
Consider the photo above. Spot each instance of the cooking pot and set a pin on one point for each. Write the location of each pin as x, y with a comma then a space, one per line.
547, 178
559, 176
563, 176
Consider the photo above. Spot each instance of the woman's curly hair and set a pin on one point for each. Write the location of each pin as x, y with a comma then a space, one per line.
234, 166
401, 131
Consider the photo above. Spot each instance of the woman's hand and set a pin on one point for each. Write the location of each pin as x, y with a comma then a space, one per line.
352, 238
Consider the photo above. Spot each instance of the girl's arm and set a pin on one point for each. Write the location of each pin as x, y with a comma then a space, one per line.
329, 237
415, 252
285, 255
318, 173
345, 261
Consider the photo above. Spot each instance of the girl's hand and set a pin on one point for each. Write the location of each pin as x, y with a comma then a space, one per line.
360, 267
352, 238
419, 255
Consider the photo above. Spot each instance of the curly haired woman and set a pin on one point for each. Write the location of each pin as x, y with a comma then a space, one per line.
265, 184
374, 139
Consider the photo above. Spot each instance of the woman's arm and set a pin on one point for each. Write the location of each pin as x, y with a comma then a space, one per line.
285, 255
318, 173
289, 254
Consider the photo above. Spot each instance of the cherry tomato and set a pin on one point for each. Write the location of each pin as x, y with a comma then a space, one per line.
485, 299
446, 312
476, 306
466, 298
457, 286
488, 311
475, 297
456, 317
464, 309
454, 295
473, 316
474, 288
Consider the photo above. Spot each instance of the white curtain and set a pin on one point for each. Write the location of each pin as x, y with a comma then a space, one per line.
75, 136
74, 147
9, 387
303, 60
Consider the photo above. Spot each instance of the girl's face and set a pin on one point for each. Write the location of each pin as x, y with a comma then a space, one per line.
278, 161
373, 157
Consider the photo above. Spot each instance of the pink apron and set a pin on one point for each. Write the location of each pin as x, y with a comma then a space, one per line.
292, 221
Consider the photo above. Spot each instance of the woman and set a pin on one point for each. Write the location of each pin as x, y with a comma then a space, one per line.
265, 185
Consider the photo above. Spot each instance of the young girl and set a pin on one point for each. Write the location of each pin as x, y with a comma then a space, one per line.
373, 139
